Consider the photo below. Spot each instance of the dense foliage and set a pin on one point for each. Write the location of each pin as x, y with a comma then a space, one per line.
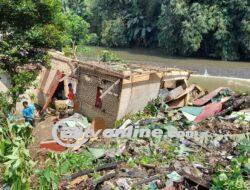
16, 164
207, 28
138, 16
113, 33
61, 164
28, 28
217, 28
233, 176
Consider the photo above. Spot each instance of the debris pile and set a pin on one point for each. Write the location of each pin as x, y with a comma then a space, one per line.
217, 155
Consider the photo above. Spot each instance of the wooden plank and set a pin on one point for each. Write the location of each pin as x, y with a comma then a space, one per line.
109, 89
208, 97
177, 103
127, 81
203, 183
177, 77
173, 94
170, 84
140, 78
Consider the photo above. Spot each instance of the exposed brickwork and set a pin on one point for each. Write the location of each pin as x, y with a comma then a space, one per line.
86, 95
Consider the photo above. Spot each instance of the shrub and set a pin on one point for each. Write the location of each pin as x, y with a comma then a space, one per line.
93, 39
108, 56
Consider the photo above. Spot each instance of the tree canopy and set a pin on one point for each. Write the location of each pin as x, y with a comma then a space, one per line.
26, 27
29, 27
208, 28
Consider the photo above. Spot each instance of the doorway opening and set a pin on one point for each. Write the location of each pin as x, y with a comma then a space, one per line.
60, 92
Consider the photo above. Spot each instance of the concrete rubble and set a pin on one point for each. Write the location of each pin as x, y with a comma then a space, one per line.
171, 163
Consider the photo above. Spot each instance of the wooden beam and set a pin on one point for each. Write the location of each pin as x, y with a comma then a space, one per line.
174, 77
109, 89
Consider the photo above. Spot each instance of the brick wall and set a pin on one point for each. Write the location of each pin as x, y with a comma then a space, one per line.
88, 82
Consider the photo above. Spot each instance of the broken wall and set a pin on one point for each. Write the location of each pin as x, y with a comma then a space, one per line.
48, 81
137, 91
60, 62
48, 78
89, 81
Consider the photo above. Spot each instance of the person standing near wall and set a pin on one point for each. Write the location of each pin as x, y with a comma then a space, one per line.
71, 96
98, 102
29, 112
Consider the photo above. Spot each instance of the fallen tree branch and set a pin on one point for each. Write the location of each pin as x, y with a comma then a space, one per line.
104, 178
145, 181
198, 144
108, 166
150, 121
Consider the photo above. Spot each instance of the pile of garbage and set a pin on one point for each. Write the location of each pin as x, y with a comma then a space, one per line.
221, 120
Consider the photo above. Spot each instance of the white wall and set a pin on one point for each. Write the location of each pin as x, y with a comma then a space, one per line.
136, 95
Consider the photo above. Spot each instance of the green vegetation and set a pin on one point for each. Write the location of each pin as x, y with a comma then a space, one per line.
17, 165
26, 27
231, 177
113, 33
59, 164
108, 56
199, 28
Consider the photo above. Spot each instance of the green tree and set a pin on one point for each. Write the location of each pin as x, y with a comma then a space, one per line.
139, 18
74, 26
141, 21
113, 34
208, 28
169, 24
78, 7
27, 28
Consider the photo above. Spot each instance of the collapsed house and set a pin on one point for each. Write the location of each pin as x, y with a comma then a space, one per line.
107, 91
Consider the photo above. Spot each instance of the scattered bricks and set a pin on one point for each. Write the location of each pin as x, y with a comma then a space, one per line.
52, 145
